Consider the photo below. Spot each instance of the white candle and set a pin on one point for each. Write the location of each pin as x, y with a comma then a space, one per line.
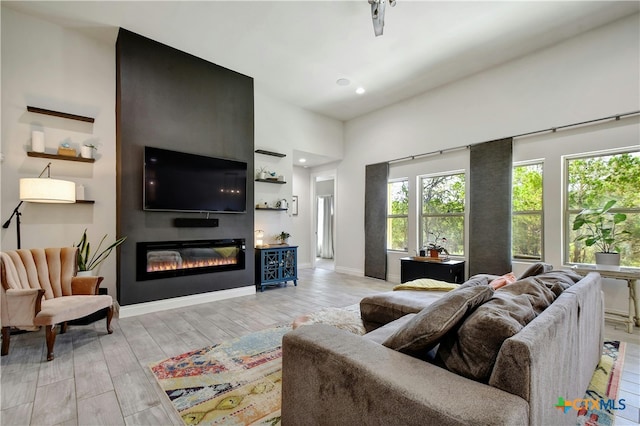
37, 141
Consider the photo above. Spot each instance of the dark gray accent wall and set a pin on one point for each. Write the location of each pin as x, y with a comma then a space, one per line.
375, 220
490, 207
169, 99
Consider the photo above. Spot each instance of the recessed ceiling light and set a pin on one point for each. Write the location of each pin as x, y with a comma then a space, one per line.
303, 160
343, 82
360, 90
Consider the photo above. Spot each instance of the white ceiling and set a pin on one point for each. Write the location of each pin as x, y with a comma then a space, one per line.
296, 50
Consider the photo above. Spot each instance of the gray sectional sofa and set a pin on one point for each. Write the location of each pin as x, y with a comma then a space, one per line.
394, 375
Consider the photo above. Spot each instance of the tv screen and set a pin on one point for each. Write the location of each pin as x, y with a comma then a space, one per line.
177, 181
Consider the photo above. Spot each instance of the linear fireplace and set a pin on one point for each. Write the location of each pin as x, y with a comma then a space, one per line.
164, 259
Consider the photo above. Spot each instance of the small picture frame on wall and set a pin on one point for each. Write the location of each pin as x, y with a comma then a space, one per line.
294, 205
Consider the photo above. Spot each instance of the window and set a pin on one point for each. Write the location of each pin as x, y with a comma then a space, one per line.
527, 218
397, 214
443, 211
593, 180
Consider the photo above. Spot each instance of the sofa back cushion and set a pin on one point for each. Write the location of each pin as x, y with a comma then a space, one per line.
424, 330
472, 350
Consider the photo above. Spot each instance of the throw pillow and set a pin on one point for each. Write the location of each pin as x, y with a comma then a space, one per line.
503, 280
426, 284
423, 331
536, 269
472, 350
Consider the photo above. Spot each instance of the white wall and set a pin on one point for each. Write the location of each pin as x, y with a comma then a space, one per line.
47, 66
590, 76
281, 127
301, 224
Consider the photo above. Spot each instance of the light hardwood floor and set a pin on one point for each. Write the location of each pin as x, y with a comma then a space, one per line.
100, 379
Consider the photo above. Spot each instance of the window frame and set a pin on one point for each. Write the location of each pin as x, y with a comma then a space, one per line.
526, 163
397, 216
566, 212
422, 215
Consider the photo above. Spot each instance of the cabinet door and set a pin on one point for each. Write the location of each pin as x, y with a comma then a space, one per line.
289, 263
270, 265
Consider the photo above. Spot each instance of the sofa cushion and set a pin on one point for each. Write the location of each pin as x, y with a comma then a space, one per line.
381, 334
471, 351
423, 332
536, 269
381, 309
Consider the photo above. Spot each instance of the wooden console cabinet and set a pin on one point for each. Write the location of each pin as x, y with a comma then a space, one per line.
451, 270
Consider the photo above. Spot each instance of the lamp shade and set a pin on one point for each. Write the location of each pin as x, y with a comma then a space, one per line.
47, 190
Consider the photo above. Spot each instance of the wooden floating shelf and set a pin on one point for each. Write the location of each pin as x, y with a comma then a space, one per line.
60, 157
271, 181
60, 114
273, 154
85, 202
271, 208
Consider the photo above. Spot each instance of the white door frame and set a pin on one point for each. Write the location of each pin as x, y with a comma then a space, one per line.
315, 177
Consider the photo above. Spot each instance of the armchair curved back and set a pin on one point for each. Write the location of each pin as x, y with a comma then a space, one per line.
50, 269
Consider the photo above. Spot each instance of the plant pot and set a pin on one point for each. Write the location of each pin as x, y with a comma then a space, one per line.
608, 261
90, 273
434, 253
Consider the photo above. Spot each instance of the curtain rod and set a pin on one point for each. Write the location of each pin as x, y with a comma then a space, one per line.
551, 129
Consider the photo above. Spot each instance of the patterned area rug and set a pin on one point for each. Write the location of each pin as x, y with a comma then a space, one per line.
238, 382
604, 387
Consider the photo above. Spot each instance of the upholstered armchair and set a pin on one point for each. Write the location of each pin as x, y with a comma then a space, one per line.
39, 288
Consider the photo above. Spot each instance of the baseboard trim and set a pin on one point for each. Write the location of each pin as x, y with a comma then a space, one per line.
181, 302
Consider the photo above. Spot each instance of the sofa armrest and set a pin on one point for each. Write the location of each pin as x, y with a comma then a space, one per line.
87, 286
22, 306
330, 376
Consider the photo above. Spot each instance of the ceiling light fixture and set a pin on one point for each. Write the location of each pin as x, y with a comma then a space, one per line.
360, 90
377, 14
303, 160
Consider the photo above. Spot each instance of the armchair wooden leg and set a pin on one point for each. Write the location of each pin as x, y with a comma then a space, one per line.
63, 327
51, 340
109, 317
6, 335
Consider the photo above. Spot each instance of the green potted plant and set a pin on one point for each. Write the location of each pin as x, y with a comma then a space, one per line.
599, 227
283, 237
437, 246
88, 261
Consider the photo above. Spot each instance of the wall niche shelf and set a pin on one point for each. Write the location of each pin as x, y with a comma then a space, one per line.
280, 182
60, 114
271, 153
60, 157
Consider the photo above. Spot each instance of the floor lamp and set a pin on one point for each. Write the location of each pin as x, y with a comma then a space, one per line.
42, 190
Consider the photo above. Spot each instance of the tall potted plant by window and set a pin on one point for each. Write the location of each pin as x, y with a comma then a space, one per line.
88, 261
599, 227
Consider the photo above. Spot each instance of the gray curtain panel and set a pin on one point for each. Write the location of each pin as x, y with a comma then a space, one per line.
375, 220
490, 207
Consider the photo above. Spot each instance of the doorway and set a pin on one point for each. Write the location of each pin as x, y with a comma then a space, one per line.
324, 222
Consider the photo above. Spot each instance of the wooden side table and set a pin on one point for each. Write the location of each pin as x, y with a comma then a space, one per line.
631, 276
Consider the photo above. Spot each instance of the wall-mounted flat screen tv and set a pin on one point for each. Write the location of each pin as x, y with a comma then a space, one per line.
178, 181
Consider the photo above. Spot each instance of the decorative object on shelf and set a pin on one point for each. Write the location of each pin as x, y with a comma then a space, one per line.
42, 190
66, 150
37, 141
282, 204
86, 150
294, 205
79, 192
599, 228
262, 173
89, 262
283, 237
259, 238
280, 178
